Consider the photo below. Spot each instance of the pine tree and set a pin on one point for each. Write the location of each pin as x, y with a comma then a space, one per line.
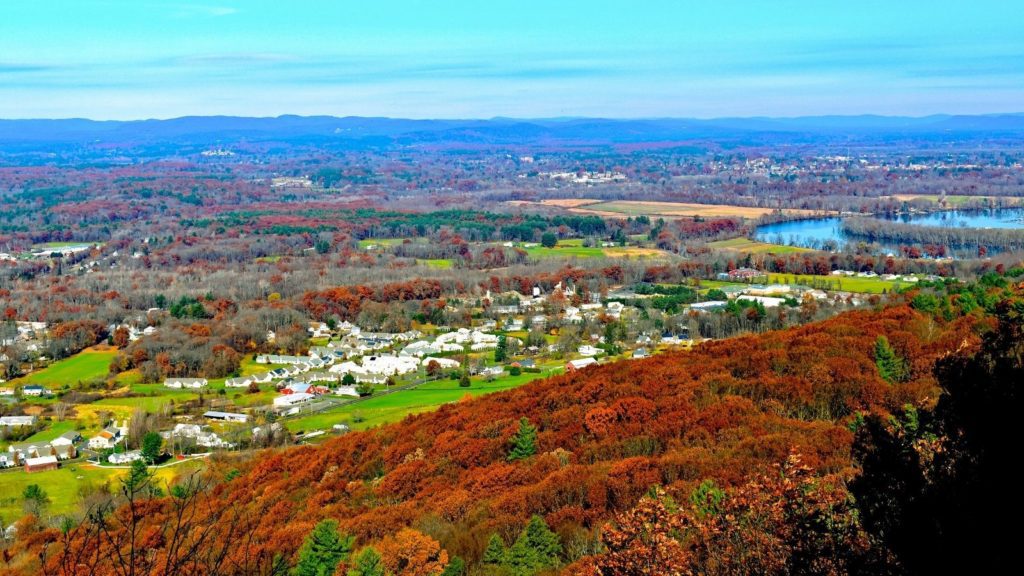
495, 552
524, 443
151, 444
456, 567
368, 563
890, 366
521, 560
464, 380
501, 352
543, 542
138, 478
323, 550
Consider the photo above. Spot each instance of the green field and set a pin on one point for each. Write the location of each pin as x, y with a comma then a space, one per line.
82, 367
840, 283
754, 247
364, 244
52, 431
63, 485
57, 245
438, 264
561, 251
574, 248
396, 406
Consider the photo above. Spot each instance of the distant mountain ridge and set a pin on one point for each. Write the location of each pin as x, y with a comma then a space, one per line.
208, 130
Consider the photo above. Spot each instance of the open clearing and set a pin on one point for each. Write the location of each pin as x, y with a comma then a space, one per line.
840, 283
90, 364
63, 485
556, 202
569, 202
574, 248
424, 398
952, 200
754, 247
618, 209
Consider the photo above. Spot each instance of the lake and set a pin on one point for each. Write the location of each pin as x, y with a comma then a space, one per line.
827, 233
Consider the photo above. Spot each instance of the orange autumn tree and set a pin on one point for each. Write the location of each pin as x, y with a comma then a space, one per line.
785, 521
412, 553
644, 541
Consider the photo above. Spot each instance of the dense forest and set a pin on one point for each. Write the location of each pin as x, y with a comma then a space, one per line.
854, 445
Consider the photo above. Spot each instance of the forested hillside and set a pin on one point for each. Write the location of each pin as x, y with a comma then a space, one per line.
733, 458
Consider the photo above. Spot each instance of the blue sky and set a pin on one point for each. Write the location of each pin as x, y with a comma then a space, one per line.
109, 59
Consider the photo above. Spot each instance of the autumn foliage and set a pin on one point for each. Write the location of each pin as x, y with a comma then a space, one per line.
731, 411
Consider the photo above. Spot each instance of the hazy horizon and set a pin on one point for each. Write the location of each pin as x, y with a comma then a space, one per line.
524, 118
118, 60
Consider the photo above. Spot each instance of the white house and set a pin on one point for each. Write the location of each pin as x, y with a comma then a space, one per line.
346, 391
66, 439
190, 383
15, 421
202, 437
240, 382
615, 309
106, 439
446, 363
587, 350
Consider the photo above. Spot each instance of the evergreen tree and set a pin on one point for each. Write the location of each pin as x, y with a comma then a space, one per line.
323, 550
524, 443
368, 563
464, 380
138, 478
521, 560
495, 552
151, 444
890, 366
35, 499
455, 567
543, 542
348, 380
611, 332
501, 352
707, 498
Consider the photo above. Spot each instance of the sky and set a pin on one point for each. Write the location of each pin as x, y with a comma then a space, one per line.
108, 59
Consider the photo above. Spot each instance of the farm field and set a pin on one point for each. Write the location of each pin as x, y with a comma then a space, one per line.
574, 248
424, 398
675, 210
87, 365
755, 247
370, 242
841, 283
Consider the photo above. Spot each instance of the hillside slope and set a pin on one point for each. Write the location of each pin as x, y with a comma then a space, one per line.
606, 436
